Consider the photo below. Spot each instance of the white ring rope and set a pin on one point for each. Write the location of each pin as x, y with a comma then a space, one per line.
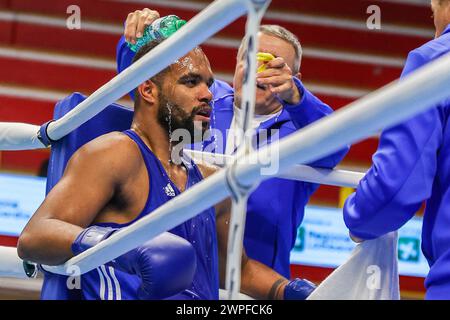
384, 108
19, 136
11, 265
299, 172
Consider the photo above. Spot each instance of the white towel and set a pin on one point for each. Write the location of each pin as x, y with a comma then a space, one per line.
371, 273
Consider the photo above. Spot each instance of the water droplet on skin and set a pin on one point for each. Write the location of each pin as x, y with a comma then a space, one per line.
169, 121
186, 62
214, 122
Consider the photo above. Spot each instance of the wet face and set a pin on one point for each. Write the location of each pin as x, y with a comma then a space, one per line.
184, 97
441, 15
266, 102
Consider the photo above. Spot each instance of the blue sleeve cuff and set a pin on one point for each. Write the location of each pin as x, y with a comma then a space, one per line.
364, 236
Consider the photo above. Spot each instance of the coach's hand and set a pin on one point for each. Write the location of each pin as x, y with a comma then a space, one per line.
165, 264
279, 79
298, 289
136, 23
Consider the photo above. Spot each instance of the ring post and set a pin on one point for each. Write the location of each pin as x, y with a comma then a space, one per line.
255, 13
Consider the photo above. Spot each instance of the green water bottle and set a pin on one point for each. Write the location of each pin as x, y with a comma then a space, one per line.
161, 28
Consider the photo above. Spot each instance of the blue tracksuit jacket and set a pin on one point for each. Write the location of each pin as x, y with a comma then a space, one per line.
410, 166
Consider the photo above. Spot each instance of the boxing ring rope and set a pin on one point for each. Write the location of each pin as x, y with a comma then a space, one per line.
19, 136
11, 265
300, 172
383, 108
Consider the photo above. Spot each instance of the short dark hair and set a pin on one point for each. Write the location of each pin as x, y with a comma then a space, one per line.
157, 79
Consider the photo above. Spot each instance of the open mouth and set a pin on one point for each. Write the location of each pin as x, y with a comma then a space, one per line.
204, 112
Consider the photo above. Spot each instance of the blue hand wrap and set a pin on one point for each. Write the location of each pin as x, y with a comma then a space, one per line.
298, 289
90, 237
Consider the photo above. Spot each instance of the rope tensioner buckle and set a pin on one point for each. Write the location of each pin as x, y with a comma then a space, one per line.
42, 134
237, 190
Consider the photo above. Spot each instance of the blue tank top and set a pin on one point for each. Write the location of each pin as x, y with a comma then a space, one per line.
107, 283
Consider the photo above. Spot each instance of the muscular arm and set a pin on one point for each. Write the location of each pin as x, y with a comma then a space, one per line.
88, 184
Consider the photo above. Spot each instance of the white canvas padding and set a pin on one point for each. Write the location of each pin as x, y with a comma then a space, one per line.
11, 265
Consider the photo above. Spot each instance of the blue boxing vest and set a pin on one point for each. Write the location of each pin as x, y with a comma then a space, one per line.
107, 283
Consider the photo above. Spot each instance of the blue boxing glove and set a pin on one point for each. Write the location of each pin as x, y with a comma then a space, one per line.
298, 289
157, 262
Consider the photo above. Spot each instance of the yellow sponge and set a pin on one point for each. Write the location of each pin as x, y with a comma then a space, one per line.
264, 57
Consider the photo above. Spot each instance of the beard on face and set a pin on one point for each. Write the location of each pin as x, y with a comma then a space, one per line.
172, 117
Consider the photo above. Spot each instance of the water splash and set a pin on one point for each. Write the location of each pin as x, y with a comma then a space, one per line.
187, 63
